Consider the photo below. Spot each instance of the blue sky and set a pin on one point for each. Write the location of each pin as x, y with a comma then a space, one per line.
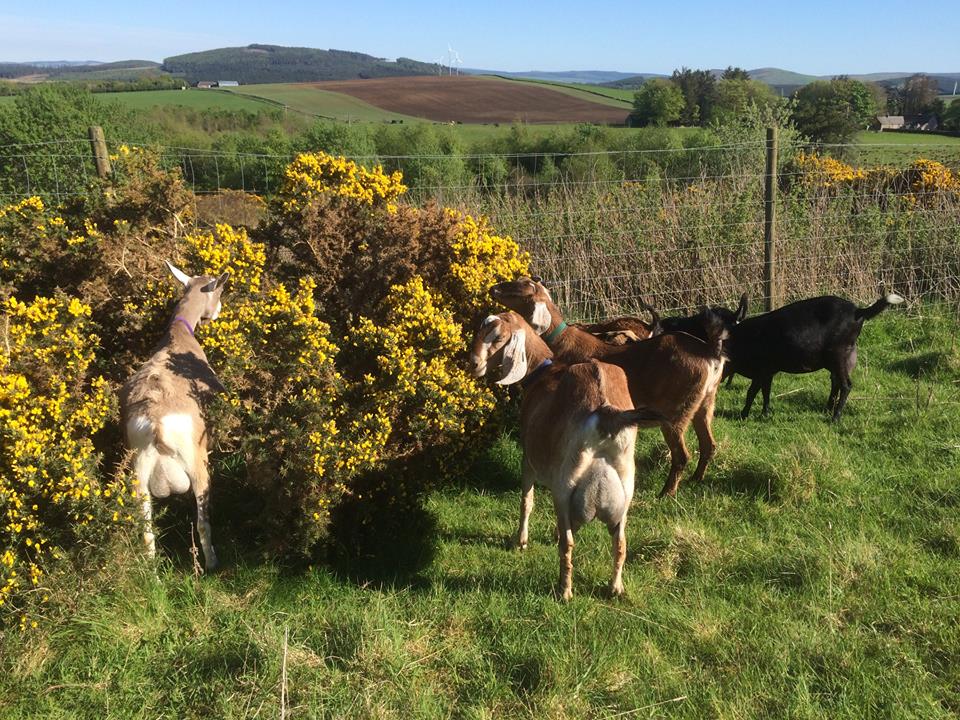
816, 37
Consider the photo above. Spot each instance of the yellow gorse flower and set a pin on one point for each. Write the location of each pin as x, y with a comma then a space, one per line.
48, 413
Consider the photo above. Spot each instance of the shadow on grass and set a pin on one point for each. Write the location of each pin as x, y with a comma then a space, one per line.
918, 366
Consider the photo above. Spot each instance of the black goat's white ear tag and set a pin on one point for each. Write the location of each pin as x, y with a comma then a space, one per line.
514, 365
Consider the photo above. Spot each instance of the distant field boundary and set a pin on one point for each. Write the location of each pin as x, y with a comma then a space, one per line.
905, 131
553, 83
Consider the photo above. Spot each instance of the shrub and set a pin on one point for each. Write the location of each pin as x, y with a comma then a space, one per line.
52, 495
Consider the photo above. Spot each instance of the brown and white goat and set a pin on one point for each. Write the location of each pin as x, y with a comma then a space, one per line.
674, 374
578, 430
161, 408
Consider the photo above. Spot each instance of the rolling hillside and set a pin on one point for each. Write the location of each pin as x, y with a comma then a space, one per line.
273, 63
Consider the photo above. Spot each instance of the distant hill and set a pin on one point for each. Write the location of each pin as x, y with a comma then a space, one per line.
273, 64
592, 77
61, 70
631, 82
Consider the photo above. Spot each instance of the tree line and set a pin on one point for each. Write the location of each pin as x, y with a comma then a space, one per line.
828, 111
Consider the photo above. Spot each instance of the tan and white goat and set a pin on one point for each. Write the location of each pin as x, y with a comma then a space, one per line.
161, 408
675, 374
578, 428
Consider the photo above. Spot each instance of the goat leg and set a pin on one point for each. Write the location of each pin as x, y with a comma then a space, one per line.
679, 457
619, 551
526, 507
201, 489
565, 548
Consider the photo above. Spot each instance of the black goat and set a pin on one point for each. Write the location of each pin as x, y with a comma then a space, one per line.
815, 334
693, 325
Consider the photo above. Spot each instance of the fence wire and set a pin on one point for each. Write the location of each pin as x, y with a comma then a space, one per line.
609, 230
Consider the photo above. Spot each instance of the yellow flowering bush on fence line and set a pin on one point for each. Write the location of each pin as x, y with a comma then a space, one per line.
923, 181
313, 174
51, 493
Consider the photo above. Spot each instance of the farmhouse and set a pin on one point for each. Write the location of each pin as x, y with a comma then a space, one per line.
206, 84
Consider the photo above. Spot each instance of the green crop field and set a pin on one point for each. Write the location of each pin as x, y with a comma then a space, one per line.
813, 574
585, 91
190, 98
320, 103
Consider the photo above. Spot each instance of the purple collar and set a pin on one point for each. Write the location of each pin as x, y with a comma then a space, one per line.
183, 320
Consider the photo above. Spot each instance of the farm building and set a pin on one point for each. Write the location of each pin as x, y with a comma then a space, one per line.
228, 83
905, 122
206, 84
887, 122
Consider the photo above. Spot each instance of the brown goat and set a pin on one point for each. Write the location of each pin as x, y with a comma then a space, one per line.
675, 374
577, 429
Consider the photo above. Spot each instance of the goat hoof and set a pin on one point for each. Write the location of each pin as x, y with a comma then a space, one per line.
566, 595
616, 589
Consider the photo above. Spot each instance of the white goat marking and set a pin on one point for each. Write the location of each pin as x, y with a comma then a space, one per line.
489, 319
541, 319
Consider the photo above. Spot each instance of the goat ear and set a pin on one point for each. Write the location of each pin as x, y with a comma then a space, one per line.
514, 365
222, 280
540, 321
742, 308
179, 274
537, 279
209, 287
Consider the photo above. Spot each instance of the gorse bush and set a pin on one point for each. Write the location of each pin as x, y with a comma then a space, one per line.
53, 495
339, 343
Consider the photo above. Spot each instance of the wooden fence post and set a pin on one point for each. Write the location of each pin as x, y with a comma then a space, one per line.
770, 290
99, 146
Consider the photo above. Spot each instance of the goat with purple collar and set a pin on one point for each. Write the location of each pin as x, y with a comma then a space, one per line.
161, 409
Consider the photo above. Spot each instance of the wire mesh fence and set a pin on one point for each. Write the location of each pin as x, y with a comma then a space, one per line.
675, 227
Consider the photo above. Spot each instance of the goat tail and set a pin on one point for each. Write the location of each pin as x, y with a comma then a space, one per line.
611, 420
878, 307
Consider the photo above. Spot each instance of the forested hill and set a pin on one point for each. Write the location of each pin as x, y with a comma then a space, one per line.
273, 63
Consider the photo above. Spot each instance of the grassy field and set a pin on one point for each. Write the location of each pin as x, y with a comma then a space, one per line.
813, 574
320, 103
190, 98
586, 91
902, 148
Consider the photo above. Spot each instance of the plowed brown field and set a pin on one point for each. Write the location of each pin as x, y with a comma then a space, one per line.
470, 99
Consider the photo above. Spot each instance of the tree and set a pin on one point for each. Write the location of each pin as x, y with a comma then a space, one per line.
920, 95
658, 102
735, 96
699, 93
735, 73
951, 118
831, 111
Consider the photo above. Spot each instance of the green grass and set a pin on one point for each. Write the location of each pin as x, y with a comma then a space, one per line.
189, 98
320, 103
813, 574
902, 148
585, 91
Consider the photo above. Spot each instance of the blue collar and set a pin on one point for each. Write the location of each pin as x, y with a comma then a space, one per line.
536, 373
